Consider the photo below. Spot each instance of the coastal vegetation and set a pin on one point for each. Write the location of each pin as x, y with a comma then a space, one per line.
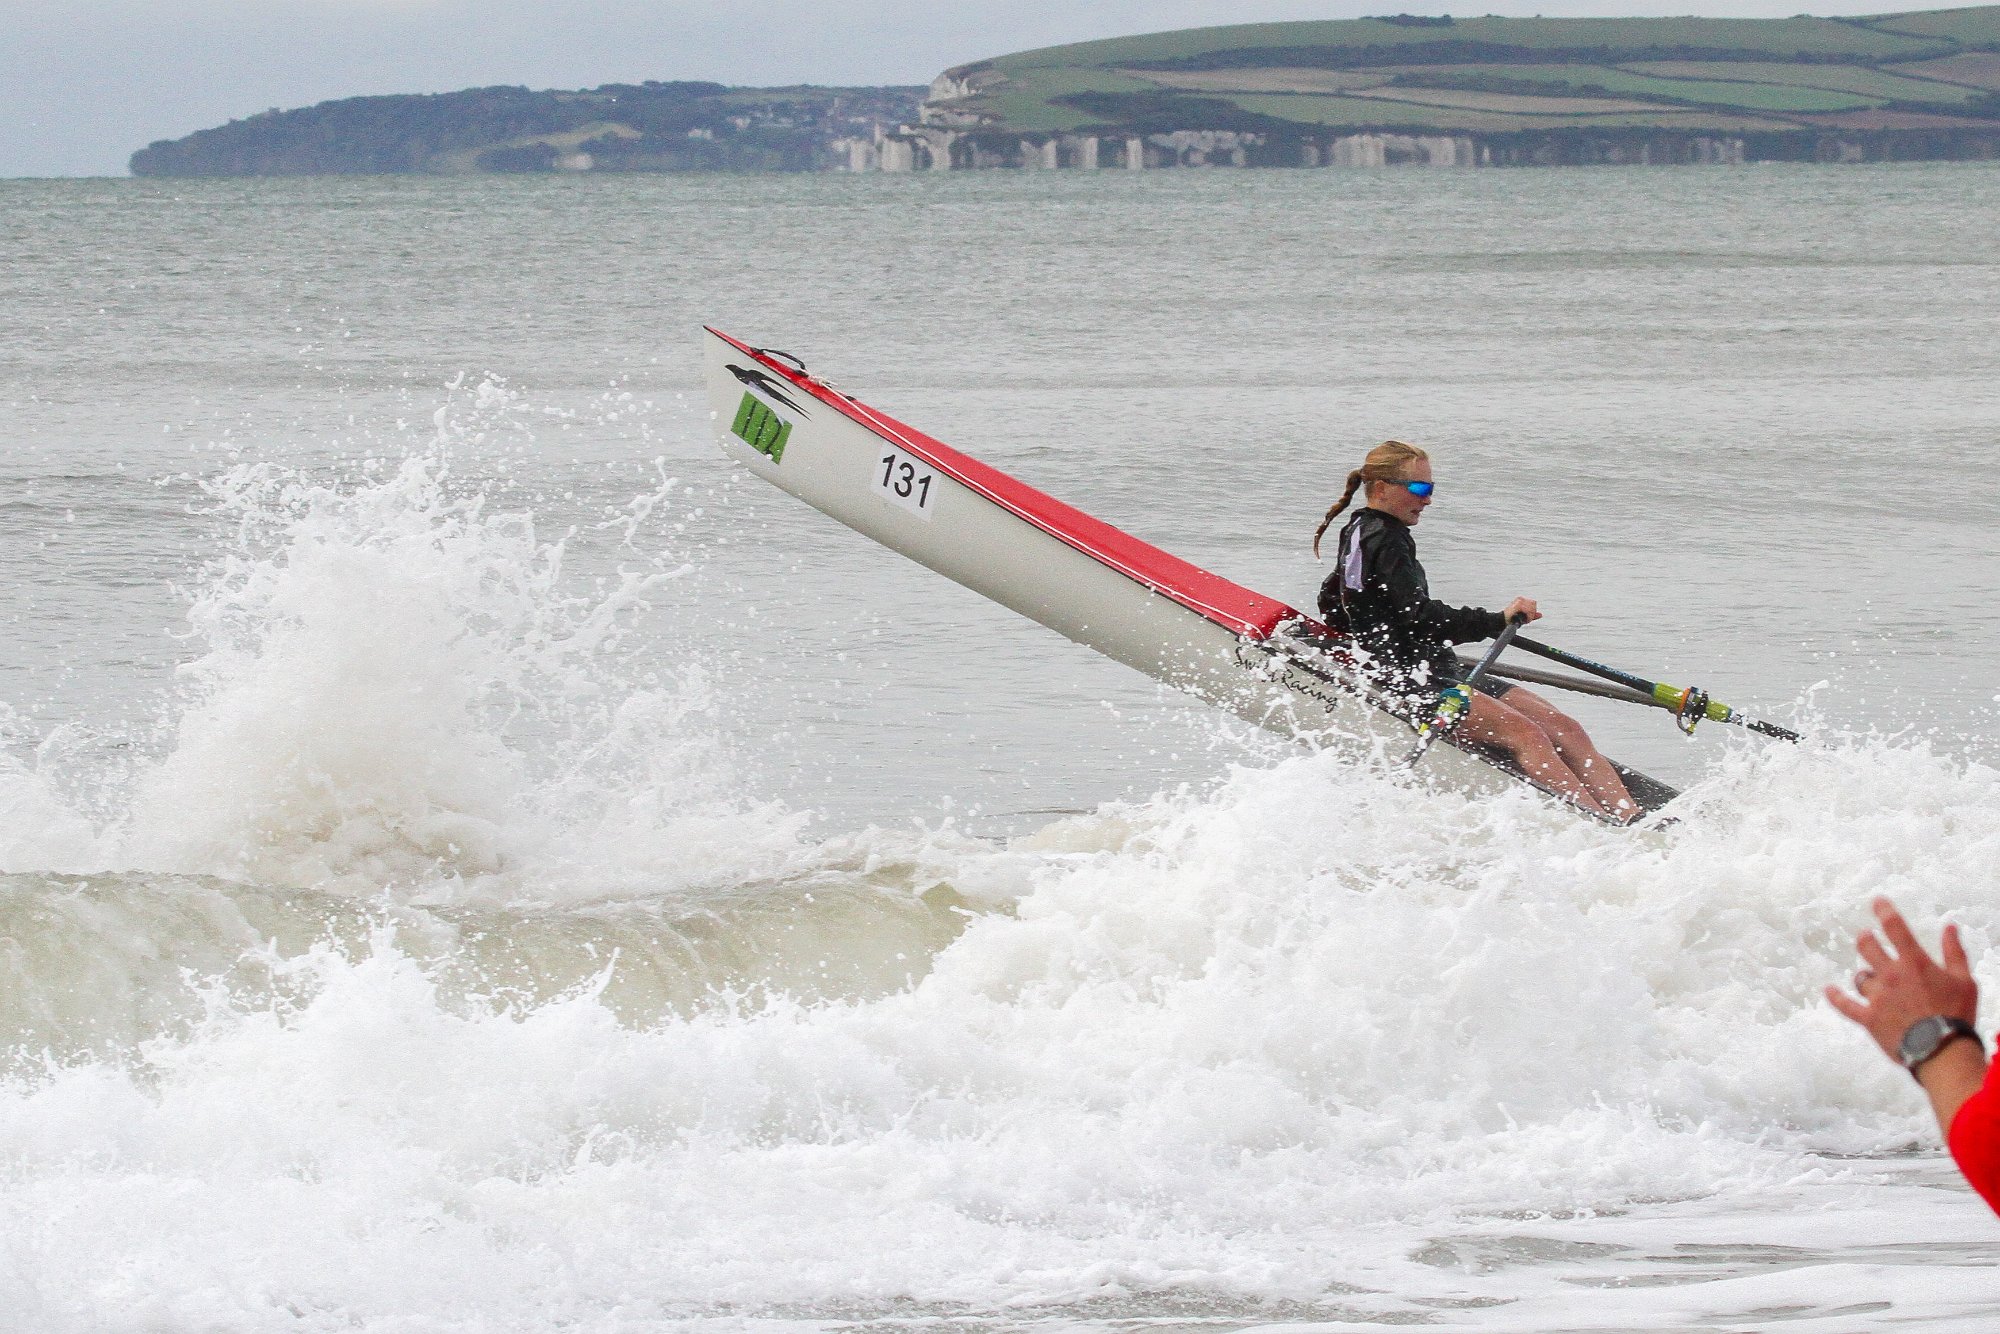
1439, 90
1429, 75
684, 126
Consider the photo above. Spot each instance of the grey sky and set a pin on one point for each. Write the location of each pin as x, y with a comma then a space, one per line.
85, 82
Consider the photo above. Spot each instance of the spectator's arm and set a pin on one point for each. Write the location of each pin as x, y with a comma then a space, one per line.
1974, 1111
1897, 989
1953, 1078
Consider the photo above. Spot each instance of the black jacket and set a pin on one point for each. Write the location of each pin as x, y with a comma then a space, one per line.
1378, 594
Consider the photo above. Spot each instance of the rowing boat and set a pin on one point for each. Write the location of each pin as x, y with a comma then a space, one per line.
1240, 650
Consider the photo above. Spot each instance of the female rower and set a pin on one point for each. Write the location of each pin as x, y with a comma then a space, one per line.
1378, 595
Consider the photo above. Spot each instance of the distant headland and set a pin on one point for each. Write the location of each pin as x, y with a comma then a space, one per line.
1358, 92
619, 127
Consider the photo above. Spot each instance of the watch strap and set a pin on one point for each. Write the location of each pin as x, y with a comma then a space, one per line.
1927, 1037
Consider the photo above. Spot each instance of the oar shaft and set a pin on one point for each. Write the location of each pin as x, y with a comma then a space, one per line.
1601, 689
1448, 716
1674, 698
1553, 654
1506, 636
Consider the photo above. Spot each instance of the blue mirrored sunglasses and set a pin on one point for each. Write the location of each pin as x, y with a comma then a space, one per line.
1417, 488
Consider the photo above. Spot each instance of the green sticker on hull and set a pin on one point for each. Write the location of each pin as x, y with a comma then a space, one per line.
760, 428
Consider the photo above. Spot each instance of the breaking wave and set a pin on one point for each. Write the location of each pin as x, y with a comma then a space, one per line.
437, 971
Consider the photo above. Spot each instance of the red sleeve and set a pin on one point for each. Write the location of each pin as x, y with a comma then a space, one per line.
1975, 1138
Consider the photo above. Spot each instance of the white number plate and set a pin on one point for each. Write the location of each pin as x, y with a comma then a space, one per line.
905, 480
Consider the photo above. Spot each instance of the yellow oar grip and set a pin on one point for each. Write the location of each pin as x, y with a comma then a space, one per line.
1675, 698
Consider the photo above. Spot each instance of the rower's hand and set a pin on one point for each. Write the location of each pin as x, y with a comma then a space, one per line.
1524, 609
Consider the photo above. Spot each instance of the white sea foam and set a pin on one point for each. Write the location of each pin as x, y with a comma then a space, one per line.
538, 1013
44, 832
1312, 1038
441, 975
397, 682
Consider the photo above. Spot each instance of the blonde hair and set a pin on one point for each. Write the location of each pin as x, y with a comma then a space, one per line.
1385, 463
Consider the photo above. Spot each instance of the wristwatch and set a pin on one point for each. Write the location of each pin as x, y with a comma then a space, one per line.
1927, 1037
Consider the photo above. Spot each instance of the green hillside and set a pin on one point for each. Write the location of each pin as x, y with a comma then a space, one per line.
1443, 91
1933, 70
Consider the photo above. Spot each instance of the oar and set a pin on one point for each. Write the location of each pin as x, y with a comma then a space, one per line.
1582, 685
1456, 699
1689, 704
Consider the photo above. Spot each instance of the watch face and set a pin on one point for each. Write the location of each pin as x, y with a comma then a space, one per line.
1923, 1038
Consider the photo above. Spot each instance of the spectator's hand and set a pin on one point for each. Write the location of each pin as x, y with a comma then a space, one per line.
1898, 989
1524, 608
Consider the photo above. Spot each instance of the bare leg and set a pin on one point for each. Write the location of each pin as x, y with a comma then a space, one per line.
1577, 751
1493, 722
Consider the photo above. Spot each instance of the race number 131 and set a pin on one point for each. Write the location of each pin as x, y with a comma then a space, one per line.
905, 480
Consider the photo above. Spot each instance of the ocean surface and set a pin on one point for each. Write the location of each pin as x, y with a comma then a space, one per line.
475, 860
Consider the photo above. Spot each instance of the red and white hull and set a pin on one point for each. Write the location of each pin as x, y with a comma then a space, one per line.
1250, 654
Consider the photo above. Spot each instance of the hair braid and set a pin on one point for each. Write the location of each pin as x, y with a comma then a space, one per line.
1384, 463
1354, 480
